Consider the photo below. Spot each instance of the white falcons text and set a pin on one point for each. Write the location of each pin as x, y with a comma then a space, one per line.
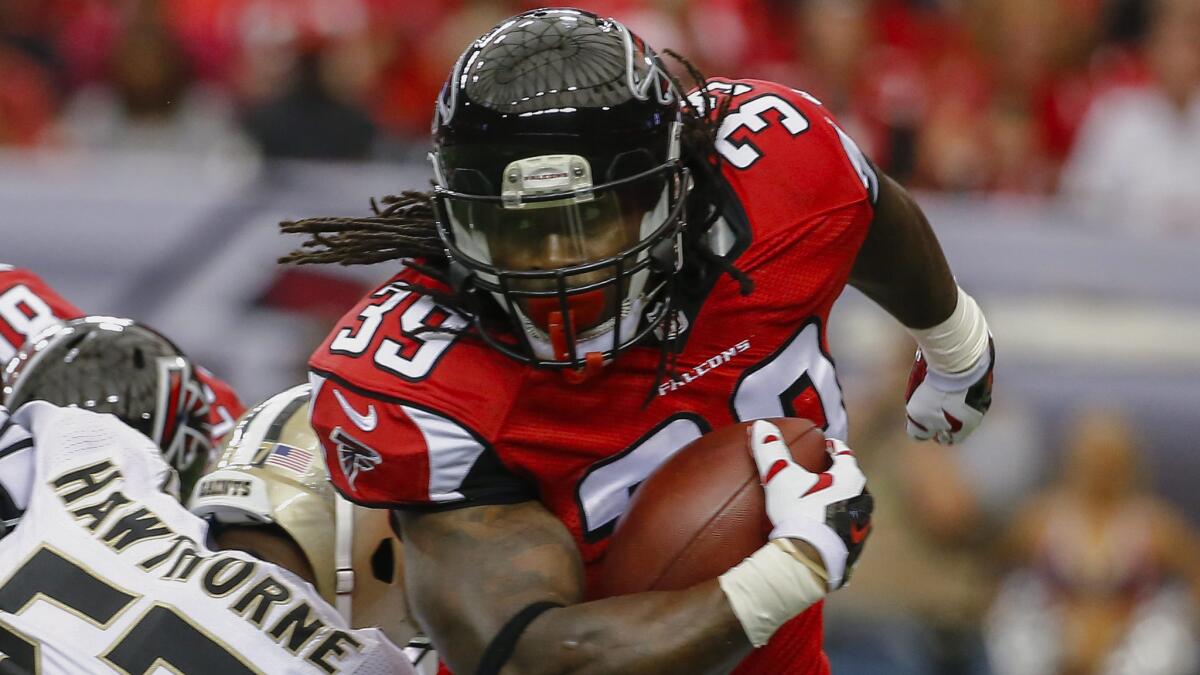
707, 366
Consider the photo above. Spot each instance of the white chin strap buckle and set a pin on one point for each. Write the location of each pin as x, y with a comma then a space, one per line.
345, 581
344, 559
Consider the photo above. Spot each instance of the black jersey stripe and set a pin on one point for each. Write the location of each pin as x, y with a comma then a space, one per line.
22, 444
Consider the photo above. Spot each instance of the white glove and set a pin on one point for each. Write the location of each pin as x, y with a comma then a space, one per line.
829, 510
945, 407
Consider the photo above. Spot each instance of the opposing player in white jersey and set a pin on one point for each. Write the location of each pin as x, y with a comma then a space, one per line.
269, 495
103, 572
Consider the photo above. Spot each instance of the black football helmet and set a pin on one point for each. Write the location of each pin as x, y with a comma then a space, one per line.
117, 366
559, 185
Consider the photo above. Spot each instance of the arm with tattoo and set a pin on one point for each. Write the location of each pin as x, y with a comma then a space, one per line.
470, 570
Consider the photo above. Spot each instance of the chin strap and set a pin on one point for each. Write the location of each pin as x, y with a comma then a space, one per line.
343, 553
8, 525
593, 361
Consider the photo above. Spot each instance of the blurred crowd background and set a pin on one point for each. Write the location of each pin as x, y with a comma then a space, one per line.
149, 147
1091, 97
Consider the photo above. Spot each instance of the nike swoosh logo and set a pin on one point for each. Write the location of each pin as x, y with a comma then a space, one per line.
778, 466
366, 422
858, 532
824, 480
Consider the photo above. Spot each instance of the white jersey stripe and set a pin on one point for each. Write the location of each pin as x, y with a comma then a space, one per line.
452, 453
862, 167
316, 382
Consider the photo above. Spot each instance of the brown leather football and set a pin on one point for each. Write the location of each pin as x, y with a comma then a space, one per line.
701, 512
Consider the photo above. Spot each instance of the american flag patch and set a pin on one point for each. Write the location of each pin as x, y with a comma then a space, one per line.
290, 457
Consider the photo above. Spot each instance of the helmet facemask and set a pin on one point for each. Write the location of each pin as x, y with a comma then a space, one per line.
575, 265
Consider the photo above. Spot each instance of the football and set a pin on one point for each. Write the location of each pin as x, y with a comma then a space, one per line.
701, 512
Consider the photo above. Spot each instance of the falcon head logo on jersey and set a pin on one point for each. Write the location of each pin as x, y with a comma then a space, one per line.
354, 456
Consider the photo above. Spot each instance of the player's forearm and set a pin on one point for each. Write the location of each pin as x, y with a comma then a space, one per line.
473, 573
691, 631
709, 627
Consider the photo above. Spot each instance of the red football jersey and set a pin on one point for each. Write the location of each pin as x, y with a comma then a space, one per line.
28, 306
431, 420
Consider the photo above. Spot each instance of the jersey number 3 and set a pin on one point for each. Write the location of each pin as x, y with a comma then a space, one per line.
414, 356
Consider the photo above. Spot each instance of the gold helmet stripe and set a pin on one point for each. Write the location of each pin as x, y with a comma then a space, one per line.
299, 396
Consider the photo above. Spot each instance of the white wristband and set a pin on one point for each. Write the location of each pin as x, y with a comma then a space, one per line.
767, 590
956, 344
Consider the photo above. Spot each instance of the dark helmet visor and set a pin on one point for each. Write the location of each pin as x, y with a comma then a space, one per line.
564, 239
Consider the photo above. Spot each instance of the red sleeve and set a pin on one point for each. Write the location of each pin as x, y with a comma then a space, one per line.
785, 155
27, 307
804, 186
224, 406
388, 452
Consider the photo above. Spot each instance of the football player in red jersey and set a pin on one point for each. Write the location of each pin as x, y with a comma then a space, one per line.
29, 306
606, 271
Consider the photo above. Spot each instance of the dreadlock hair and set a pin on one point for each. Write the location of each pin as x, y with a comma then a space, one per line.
404, 227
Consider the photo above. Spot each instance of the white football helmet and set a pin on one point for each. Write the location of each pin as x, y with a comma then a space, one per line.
272, 471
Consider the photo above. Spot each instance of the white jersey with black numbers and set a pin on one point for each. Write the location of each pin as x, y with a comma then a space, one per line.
105, 573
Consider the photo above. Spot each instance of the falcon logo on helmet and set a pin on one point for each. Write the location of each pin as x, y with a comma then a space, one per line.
181, 401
